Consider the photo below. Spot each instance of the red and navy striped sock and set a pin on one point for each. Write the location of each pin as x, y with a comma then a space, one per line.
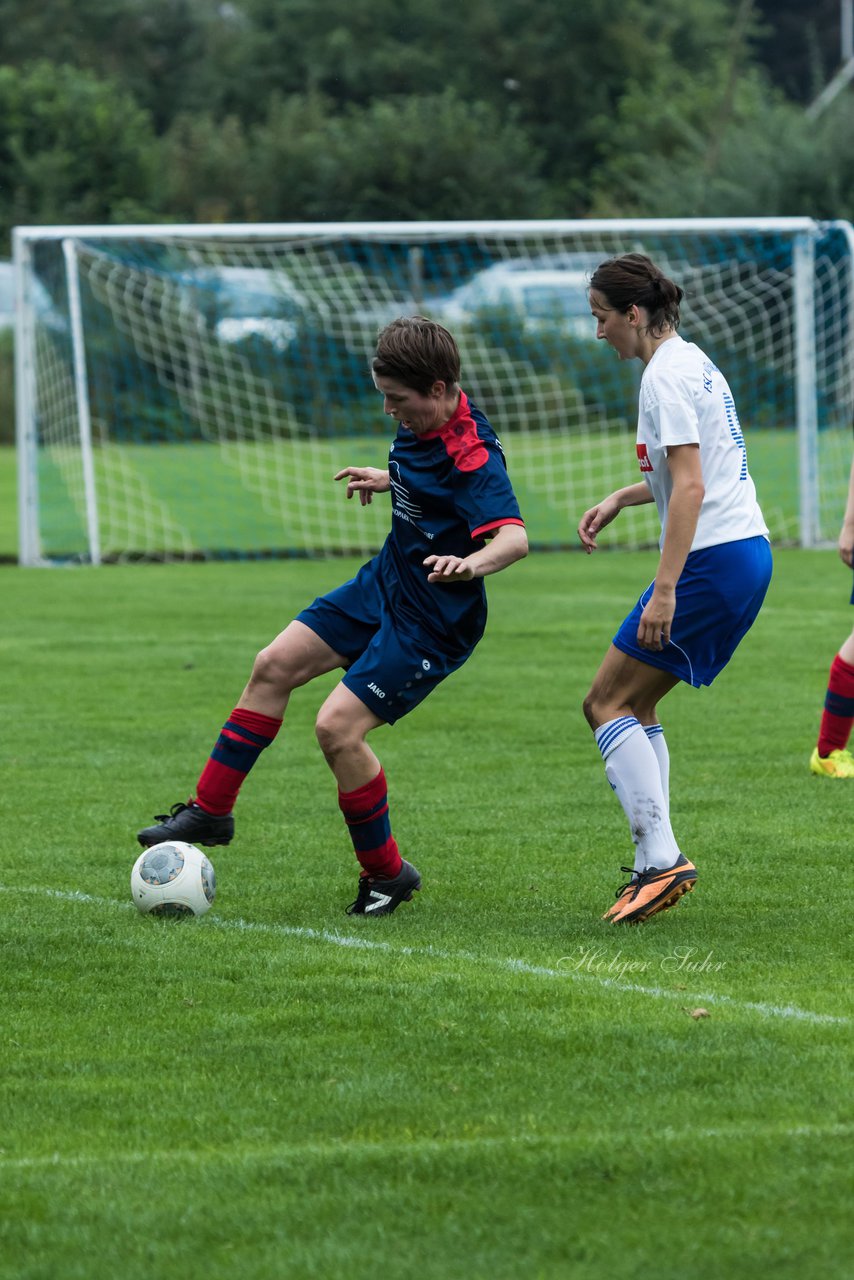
366, 814
244, 736
838, 715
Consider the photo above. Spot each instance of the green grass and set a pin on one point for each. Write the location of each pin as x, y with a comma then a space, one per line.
8, 503
492, 1083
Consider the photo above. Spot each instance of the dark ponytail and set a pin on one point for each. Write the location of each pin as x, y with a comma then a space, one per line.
634, 280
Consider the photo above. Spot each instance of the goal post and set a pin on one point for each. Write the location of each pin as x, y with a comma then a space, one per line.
188, 392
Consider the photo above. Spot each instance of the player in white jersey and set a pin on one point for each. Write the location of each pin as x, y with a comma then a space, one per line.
713, 571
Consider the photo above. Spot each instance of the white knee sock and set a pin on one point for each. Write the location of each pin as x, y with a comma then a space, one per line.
655, 733
633, 770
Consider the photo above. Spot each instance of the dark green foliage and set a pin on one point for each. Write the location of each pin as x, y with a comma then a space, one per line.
409, 157
269, 110
800, 45
73, 148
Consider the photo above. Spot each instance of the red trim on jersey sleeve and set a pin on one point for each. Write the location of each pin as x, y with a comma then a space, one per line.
485, 529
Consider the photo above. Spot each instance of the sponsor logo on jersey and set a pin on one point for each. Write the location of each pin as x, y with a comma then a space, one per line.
402, 503
644, 459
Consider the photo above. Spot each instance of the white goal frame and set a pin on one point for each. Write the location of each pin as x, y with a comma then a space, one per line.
802, 232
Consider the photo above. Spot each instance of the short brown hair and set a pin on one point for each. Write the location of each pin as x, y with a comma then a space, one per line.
634, 280
417, 352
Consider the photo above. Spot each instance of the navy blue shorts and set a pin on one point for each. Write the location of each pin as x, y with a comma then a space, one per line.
718, 596
389, 667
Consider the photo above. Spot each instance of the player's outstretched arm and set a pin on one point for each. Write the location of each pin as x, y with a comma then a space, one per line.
509, 544
634, 495
366, 481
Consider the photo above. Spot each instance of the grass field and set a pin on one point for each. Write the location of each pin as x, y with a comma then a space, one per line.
492, 1084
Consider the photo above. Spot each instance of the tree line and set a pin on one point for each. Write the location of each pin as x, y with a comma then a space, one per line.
280, 110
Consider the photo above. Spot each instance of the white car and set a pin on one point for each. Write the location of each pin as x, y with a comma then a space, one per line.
539, 297
242, 304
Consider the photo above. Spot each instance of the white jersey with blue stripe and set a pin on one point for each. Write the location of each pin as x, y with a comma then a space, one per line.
685, 399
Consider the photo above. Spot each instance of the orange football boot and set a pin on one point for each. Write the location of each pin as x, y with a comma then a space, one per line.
654, 891
620, 893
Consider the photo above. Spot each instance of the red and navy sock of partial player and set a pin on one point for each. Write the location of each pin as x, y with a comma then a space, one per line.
366, 814
244, 736
838, 715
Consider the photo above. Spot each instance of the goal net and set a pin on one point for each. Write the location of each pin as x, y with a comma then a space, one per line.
189, 392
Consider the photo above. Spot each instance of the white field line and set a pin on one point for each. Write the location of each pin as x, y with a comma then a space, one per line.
338, 1148
505, 964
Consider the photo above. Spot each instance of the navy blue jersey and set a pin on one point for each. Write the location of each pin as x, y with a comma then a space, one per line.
449, 492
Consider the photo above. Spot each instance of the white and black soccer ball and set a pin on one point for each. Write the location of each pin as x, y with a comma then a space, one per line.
173, 879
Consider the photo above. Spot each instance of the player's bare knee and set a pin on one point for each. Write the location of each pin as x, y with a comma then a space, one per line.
272, 669
334, 733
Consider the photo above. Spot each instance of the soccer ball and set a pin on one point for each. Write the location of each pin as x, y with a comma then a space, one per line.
173, 879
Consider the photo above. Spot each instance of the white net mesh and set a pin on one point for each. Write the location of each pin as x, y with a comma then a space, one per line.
228, 375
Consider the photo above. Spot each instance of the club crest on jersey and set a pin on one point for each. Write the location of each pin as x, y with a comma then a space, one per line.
644, 459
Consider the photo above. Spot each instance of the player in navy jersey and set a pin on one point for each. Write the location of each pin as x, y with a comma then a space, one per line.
713, 572
411, 616
831, 757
